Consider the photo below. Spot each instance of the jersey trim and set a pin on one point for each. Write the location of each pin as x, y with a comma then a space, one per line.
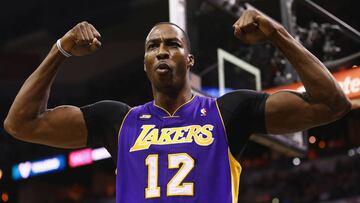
235, 170
222, 121
234, 165
167, 112
122, 123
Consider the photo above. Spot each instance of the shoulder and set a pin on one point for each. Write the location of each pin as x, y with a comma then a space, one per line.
105, 108
107, 105
241, 97
243, 114
103, 120
244, 106
242, 94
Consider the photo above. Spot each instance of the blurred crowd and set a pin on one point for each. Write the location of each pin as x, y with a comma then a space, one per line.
313, 183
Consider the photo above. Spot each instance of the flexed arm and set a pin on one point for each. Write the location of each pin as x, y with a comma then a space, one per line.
29, 119
286, 111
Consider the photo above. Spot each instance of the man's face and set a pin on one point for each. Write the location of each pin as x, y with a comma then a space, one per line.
166, 59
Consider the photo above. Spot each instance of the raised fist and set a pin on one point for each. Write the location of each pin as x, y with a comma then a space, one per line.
81, 40
253, 27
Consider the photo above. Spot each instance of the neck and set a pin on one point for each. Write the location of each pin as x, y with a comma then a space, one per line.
172, 101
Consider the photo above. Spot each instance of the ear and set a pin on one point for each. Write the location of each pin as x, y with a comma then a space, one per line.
190, 60
144, 65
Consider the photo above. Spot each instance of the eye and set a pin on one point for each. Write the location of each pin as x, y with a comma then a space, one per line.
174, 44
152, 46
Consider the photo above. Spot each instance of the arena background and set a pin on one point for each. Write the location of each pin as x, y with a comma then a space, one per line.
322, 166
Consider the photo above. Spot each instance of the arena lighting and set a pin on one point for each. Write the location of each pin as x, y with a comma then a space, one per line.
4, 197
296, 161
351, 152
87, 156
312, 139
354, 151
275, 200
80, 158
358, 150
100, 154
76, 158
322, 144
27, 169
214, 91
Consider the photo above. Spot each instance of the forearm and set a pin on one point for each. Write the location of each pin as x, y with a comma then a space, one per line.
320, 85
31, 101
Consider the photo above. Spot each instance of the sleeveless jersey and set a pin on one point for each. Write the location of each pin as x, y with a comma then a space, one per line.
176, 158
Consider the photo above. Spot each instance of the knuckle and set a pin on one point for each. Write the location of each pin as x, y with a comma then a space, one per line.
75, 33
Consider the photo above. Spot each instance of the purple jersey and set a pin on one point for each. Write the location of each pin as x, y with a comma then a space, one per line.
178, 158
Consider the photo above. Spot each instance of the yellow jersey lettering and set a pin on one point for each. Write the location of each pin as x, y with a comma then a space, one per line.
149, 135
208, 139
152, 137
165, 136
193, 131
178, 137
140, 142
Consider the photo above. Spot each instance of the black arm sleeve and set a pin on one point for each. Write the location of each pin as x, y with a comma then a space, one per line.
243, 112
103, 120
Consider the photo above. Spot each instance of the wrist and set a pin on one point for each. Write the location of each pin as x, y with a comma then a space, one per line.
279, 35
67, 43
60, 48
55, 51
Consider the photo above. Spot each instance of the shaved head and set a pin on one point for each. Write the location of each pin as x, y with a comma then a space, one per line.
185, 35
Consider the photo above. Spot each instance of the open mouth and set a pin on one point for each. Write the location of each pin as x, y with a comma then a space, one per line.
163, 68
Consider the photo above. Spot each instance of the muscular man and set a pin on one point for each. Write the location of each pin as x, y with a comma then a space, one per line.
178, 147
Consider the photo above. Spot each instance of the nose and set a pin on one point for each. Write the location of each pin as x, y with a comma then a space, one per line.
162, 53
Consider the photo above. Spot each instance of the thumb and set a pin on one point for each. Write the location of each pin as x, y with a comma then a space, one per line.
95, 45
261, 19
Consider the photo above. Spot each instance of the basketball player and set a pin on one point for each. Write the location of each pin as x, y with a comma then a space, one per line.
178, 147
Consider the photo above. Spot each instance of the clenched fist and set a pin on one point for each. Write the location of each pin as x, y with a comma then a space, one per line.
81, 40
252, 27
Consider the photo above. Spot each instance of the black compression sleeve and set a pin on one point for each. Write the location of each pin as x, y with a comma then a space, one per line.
103, 120
243, 112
